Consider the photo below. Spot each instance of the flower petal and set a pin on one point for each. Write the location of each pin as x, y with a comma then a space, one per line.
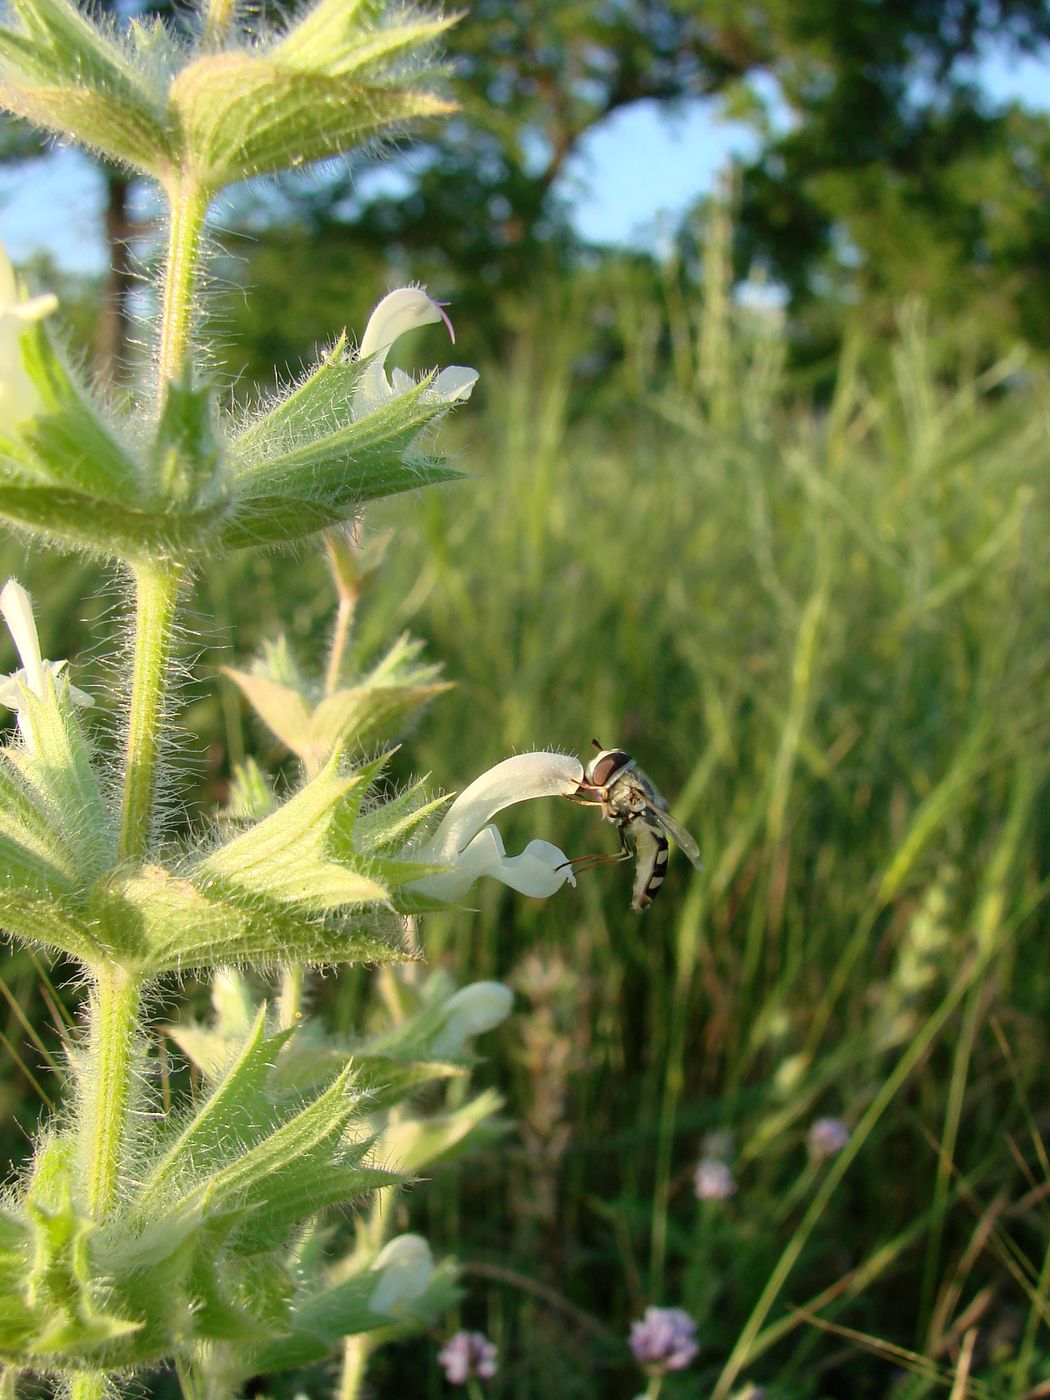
538, 871
454, 384
35, 309
516, 779
19, 398
402, 310
17, 610
8, 284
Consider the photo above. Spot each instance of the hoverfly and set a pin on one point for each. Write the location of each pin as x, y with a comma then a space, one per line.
629, 799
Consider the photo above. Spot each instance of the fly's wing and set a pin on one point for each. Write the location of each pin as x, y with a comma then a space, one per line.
659, 816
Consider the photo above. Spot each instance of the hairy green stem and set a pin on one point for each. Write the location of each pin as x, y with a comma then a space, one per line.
117, 995
340, 636
114, 1012
339, 545
111, 1045
189, 207
156, 596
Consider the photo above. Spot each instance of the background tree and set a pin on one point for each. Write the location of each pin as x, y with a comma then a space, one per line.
882, 170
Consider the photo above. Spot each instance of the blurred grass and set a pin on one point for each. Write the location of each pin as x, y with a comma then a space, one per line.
822, 623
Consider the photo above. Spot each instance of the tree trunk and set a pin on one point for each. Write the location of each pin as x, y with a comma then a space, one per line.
111, 345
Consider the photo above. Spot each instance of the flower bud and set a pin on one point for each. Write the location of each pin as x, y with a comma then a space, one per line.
405, 1266
473, 1010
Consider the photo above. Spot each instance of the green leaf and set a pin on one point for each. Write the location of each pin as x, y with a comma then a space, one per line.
113, 531
71, 76
243, 114
347, 36
165, 923
70, 441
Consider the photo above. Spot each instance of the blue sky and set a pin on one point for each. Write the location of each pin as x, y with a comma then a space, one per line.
634, 174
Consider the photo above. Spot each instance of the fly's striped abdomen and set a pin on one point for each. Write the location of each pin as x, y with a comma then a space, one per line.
652, 849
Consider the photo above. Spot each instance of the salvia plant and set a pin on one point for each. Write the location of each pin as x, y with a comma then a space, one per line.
201, 1233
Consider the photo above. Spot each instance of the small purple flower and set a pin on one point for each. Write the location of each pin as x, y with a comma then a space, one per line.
468, 1355
664, 1340
827, 1136
714, 1180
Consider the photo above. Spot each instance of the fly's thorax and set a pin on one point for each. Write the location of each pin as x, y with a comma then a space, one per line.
633, 795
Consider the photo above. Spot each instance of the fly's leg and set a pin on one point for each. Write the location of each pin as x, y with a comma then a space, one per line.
597, 858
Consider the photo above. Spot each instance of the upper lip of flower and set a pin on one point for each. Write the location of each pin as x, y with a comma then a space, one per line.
470, 847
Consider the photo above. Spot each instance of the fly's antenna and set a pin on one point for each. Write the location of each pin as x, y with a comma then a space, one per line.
597, 744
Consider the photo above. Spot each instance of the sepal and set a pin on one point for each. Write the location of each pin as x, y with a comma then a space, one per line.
413, 1143
307, 464
56, 764
62, 1295
323, 1316
303, 853
186, 457
260, 1160
250, 798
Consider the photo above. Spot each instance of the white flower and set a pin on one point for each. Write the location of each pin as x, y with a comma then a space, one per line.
18, 396
17, 609
405, 1267
471, 849
472, 1011
404, 310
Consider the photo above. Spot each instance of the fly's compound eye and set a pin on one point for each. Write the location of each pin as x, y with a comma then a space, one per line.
607, 767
